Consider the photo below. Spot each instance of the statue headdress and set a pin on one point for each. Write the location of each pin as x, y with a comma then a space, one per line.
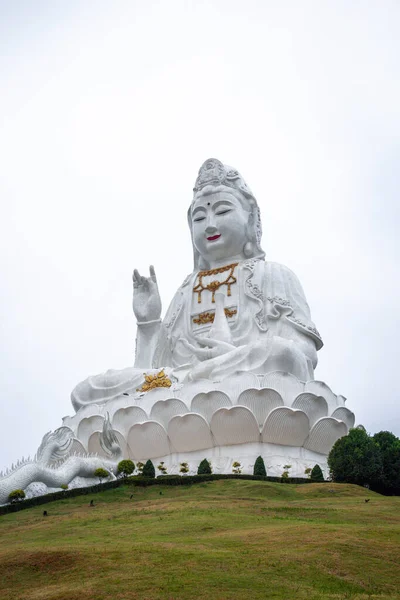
214, 174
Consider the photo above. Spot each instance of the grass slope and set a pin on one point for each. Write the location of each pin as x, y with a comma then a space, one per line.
224, 540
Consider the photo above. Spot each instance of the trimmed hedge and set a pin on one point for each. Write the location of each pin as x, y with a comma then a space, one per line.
204, 467
259, 467
138, 480
149, 470
316, 474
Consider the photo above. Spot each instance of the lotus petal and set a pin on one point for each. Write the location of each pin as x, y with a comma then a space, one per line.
207, 404
189, 432
112, 406
189, 390
324, 434
86, 411
77, 448
286, 426
94, 445
124, 418
260, 402
344, 414
148, 440
236, 425
319, 388
286, 384
341, 400
148, 399
236, 384
314, 406
164, 410
87, 426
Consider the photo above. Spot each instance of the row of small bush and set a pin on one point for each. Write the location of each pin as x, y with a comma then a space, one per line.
127, 467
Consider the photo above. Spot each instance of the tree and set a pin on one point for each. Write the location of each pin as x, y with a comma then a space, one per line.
140, 467
389, 446
236, 468
125, 467
16, 496
184, 468
259, 467
316, 474
355, 458
204, 468
149, 470
101, 473
285, 474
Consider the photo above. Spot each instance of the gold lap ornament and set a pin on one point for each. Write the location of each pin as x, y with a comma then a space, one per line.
208, 317
155, 381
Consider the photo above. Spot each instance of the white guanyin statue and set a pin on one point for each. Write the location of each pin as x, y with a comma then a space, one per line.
266, 326
227, 375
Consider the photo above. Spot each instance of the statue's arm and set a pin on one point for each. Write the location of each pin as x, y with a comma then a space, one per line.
147, 337
297, 324
146, 306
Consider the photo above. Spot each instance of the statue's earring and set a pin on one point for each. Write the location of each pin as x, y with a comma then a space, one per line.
248, 249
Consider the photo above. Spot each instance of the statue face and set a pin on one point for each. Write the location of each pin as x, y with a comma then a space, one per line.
219, 226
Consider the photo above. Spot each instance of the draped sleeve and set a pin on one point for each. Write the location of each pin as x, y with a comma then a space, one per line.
286, 300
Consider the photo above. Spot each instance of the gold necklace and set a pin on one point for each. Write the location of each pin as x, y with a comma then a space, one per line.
214, 285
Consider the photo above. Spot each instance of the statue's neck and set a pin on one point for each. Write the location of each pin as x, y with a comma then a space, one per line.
215, 264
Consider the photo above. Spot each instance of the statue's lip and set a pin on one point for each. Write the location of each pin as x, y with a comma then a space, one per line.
214, 237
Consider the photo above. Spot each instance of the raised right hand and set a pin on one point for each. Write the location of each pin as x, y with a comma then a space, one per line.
146, 302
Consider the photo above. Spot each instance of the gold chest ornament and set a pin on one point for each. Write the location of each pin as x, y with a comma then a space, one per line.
215, 284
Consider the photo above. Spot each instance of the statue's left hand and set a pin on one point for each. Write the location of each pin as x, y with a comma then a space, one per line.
212, 349
146, 302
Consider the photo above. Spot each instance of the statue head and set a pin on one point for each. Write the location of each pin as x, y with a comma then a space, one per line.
224, 217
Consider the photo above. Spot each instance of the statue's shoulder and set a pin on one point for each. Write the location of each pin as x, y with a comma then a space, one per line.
273, 268
187, 280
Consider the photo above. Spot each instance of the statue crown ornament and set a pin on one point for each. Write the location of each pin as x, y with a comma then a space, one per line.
214, 172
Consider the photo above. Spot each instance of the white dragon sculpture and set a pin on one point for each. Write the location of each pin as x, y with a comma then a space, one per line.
54, 467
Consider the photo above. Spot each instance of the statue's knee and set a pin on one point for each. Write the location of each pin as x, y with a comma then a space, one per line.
285, 349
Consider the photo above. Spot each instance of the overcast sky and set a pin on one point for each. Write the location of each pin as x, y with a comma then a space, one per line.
108, 109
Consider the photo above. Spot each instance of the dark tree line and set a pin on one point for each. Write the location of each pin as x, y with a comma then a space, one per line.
372, 461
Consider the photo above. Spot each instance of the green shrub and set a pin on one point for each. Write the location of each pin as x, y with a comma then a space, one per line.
16, 496
125, 467
308, 471
149, 470
316, 474
285, 474
64, 486
140, 467
184, 468
162, 468
236, 468
204, 468
259, 467
101, 473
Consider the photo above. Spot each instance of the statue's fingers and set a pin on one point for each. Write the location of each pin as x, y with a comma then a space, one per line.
152, 273
199, 352
135, 278
213, 343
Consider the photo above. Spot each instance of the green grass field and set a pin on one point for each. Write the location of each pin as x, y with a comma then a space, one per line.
223, 540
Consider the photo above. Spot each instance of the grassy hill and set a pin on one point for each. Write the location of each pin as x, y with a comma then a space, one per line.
223, 540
